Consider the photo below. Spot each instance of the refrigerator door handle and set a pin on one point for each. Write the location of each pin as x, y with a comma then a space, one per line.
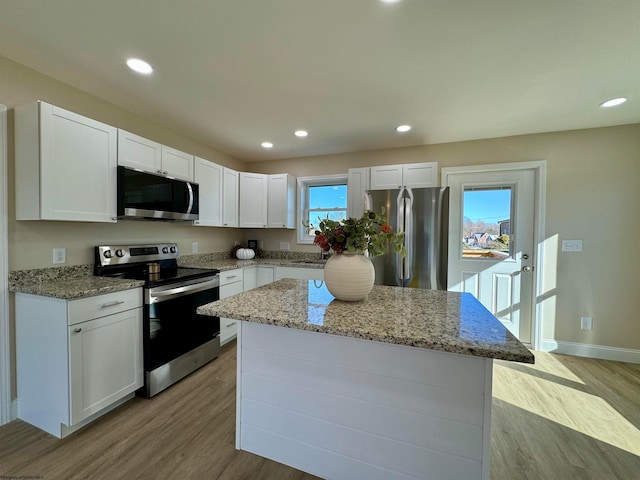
408, 237
399, 260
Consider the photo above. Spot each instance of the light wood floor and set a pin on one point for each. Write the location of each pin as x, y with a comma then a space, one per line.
563, 418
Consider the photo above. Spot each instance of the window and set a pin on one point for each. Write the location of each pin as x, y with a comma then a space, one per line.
320, 197
487, 215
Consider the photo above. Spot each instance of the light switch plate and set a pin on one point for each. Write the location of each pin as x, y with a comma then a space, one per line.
194, 247
571, 245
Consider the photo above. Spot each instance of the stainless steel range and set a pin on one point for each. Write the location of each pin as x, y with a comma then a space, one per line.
177, 340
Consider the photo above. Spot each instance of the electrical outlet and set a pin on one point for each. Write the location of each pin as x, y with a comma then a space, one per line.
59, 255
194, 247
285, 246
586, 323
572, 245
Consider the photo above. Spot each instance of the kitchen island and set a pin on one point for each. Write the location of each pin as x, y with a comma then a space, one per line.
397, 386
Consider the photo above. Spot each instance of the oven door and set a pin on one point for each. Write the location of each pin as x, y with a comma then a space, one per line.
171, 325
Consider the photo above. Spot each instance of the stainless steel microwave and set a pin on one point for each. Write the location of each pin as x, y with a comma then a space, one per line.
145, 195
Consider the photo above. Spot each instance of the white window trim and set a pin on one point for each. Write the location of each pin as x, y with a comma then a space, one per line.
303, 183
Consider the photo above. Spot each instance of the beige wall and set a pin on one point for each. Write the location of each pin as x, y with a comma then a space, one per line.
593, 194
31, 243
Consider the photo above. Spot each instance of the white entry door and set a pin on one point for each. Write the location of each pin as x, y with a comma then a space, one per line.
491, 242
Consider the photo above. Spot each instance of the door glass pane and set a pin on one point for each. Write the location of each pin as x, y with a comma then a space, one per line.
486, 222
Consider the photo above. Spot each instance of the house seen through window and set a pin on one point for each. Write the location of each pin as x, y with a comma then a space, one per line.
487, 222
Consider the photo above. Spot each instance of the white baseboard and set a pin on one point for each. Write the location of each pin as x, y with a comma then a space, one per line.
591, 351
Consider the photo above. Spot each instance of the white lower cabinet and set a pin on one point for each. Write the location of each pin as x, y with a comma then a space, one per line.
76, 359
231, 283
239, 280
299, 273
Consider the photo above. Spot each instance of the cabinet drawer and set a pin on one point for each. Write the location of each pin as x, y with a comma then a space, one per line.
85, 309
231, 276
228, 329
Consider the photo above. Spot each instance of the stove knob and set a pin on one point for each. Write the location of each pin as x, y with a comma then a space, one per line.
120, 253
165, 250
107, 254
173, 249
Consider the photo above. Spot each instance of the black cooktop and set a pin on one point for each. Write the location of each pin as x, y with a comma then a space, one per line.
155, 264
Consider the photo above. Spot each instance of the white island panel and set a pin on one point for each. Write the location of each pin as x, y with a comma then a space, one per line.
340, 407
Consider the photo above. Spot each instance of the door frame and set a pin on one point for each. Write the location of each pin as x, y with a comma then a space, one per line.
5, 330
540, 172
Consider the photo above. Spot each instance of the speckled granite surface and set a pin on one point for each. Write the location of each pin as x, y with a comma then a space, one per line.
78, 287
231, 263
434, 319
77, 281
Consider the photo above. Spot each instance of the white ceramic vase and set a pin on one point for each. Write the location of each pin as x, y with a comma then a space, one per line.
349, 277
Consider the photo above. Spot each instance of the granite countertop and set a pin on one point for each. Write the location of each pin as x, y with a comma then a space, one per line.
74, 288
71, 282
232, 263
434, 319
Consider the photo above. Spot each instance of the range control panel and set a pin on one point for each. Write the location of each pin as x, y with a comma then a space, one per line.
121, 254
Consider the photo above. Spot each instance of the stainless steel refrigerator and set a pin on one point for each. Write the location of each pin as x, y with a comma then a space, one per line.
423, 215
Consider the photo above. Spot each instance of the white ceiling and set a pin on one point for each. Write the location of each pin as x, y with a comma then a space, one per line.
233, 73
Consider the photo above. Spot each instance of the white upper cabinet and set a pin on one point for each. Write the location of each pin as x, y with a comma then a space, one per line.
230, 197
281, 208
177, 164
208, 176
357, 185
253, 200
65, 166
412, 175
138, 152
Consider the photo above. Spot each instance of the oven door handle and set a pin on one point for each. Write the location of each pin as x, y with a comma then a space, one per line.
171, 293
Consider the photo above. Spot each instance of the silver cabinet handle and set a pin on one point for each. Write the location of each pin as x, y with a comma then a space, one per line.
230, 324
77, 330
228, 277
112, 304
159, 171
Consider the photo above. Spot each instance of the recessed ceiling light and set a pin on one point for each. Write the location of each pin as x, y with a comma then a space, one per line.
389, 1
301, 133
139, 66
403, 128
267, 145
614, 102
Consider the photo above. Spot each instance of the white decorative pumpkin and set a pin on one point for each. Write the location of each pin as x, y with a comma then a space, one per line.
245, 254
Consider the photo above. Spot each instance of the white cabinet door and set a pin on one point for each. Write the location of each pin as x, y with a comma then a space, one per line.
208, 176
253, 200
138, 152
412, 175
177, 164
231, 283
357, 185
299, 273
105, 361
265, 275
420, 175
386, 177
281, 209
250, 278
65, 166
230, 197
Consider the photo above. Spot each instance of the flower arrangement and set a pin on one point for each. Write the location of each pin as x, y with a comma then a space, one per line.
370, 233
